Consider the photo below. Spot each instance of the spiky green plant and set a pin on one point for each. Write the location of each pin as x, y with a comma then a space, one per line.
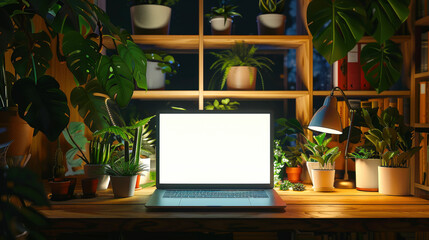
225, 104
241, 54
298, 187
271, 6
224, 10
121, 167
100, 150
320, 152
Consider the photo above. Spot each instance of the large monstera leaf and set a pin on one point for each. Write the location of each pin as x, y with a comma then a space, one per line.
336, 26
136, 61
82, 56
6, 30
43, 105
116, 79
385, 17
382, 64
33, 50
91, 105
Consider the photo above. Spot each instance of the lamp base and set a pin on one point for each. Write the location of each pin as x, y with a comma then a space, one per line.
344, 184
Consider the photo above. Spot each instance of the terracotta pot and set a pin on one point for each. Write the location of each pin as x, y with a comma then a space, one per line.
123, 186
150, 19
60, 189
323, 180
239, 78
220, 27
271, 24
155, 78
294, 174
89, 187
367, 174
18, 131
72, 186
394, 181
97, 171
138, 182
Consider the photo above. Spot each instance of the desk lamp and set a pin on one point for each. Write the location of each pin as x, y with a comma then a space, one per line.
327, 120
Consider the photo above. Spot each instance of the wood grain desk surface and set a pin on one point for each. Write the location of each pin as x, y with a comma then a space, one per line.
343, 210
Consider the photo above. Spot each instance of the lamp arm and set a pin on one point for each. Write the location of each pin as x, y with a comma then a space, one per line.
344, 96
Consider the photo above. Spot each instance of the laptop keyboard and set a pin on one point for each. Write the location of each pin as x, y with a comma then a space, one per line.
215, 194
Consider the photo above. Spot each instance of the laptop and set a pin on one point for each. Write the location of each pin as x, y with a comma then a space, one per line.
209, 159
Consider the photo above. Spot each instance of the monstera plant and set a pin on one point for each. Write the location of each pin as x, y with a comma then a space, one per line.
80, 29
338, 25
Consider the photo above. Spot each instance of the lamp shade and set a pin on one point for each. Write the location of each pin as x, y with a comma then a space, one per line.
327, 119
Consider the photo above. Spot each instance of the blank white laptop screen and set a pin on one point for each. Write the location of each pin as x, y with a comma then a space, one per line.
214, 148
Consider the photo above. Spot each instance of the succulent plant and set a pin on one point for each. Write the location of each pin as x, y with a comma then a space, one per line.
298, 187
286, 185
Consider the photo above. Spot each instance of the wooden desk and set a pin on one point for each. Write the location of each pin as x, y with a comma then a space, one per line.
339, 211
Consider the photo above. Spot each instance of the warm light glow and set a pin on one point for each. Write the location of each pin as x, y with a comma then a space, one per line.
325, 130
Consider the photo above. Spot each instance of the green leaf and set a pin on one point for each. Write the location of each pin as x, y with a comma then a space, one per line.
6, 28
381, 64
136, 61
319, 138
336, 26
119, 131
386, 16
82, 56
91, 105
8, 2
355, 135
116, 78
42, 106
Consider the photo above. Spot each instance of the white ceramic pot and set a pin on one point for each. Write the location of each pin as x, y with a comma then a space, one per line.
394, 181
271, 24
239, 78
323, 180
220, 27
315, 165
154, 77
97, 171
123, 186
367, 174
150, 19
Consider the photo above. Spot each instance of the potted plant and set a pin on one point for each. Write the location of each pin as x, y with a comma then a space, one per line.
366, 165
271, 21
124, 176
158, 65
224, 104
323, 175
293, 163
221, 18
151, 16
238, 67
393, 143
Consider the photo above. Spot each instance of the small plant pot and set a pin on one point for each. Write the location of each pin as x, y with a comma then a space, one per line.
294, 174
89, 187
239, 78
138, 182
220, 27
97, 171
394, 181
72, 186
155, 78
367, 174
123, 186
323, 180
60, 189
150, 19
271, 24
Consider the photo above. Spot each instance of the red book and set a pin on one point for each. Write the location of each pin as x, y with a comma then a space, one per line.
364, 84
340, 73
422, 103
353, 69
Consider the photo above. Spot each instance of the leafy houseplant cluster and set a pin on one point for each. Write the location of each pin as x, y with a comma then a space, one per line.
80, 28
271, 6
337, 26
241, 54
168, 3
224, 104
224, 11
320, 152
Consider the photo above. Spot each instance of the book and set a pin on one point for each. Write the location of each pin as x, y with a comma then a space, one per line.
400, 104
393, 102
364, 84
385, 103
420, 8
407, 110
353, 69
339, 74
423, 52
422, 102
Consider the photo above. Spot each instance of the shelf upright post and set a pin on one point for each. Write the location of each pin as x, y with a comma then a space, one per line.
201, 55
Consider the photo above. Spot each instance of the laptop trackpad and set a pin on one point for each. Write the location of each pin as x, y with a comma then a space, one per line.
214, 202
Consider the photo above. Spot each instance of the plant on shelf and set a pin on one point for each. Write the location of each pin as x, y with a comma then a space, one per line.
238, 67
225, 104
323, 173
271, 21
158, 65
393, 142
337, 26
83, 29
221, 18
293, 163
168, 3
363, 153
366, 167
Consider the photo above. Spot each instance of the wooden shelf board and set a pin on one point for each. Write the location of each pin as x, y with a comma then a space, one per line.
173, 42
269, 42
258, 95
421, 76
420, 186
166, 94
424, 21
364, 93
421, 125
396, 39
